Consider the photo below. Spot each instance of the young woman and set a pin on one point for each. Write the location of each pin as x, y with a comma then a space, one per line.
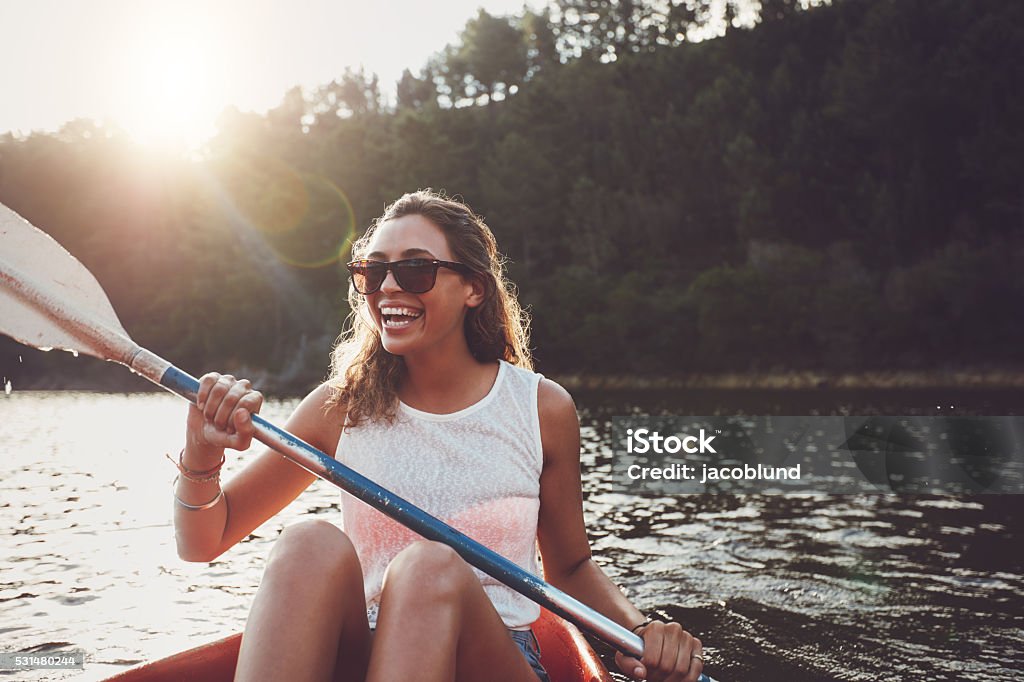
432, 395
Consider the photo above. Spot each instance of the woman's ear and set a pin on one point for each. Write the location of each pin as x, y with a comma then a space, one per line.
478, 292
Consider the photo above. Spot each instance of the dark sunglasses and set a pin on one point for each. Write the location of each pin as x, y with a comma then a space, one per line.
415, 275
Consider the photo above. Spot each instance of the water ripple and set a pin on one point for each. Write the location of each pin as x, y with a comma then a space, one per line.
795, 588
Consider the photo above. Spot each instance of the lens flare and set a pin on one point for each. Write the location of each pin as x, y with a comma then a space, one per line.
304, 218
324, 235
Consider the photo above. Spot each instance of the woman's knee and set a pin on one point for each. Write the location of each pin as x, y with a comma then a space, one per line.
313, 548
430, 568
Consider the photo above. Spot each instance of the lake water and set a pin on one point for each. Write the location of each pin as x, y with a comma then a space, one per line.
814, 587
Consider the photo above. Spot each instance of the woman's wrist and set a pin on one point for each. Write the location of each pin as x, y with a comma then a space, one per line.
640, 626
200, 456
197, 490
199, 496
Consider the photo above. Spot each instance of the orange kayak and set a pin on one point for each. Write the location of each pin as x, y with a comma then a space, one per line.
565, 654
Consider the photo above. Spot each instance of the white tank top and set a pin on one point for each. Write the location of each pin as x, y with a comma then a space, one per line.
477, 469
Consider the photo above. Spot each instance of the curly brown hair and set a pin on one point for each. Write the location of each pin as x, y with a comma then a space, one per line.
364, 376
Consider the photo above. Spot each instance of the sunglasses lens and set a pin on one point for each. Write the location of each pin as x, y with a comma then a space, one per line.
415, 276
367, 277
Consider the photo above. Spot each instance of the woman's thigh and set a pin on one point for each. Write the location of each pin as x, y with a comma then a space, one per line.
308, 619
437, 623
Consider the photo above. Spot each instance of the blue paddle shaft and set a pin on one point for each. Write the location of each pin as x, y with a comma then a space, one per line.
431, 528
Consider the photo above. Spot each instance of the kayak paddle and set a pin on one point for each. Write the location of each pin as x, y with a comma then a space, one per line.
48, 299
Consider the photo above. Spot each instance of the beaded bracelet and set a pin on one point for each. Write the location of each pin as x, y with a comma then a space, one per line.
197, 476
196, 507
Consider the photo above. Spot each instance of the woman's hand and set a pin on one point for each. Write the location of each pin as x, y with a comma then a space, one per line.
222, 414
671, 654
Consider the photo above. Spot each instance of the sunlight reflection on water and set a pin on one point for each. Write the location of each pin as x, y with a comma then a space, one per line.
794, 588
92, 562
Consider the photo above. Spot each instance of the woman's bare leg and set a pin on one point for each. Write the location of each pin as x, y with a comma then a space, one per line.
308, 619
436, 623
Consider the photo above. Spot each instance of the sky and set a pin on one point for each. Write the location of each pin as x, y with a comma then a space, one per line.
163, 71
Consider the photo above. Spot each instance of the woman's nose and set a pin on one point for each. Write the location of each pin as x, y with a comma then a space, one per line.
390, 283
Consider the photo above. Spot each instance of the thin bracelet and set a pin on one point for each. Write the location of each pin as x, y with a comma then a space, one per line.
196, 507
194, 475
647, 621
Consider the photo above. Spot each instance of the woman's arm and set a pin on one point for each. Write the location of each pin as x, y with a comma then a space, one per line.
256, 493
565, 549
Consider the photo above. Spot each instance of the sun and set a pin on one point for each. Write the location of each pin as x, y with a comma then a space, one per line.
170, 98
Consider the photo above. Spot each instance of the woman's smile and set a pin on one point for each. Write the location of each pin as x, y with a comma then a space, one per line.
396, 317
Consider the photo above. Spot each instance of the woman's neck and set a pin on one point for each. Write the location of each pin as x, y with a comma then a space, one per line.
447, 382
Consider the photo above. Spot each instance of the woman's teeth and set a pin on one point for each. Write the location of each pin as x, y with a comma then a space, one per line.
398, 323
396, 318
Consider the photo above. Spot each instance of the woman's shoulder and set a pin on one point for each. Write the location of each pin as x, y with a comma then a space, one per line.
525, 375
556, 407
552, 395
324, 399
320, 416
559, 425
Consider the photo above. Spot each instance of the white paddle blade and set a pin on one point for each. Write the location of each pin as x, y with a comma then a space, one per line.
49, 300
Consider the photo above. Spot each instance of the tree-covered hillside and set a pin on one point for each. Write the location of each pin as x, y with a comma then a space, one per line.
834, 187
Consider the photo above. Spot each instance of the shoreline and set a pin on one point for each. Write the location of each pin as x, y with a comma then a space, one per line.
796, 380
803, 380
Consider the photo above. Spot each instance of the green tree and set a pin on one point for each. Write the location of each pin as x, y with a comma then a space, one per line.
355, 93
542, 44
414, 92
489, 60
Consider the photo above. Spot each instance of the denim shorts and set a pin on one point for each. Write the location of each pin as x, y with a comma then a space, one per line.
528, 644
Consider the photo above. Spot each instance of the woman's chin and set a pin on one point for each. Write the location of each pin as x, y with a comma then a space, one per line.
395, 346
